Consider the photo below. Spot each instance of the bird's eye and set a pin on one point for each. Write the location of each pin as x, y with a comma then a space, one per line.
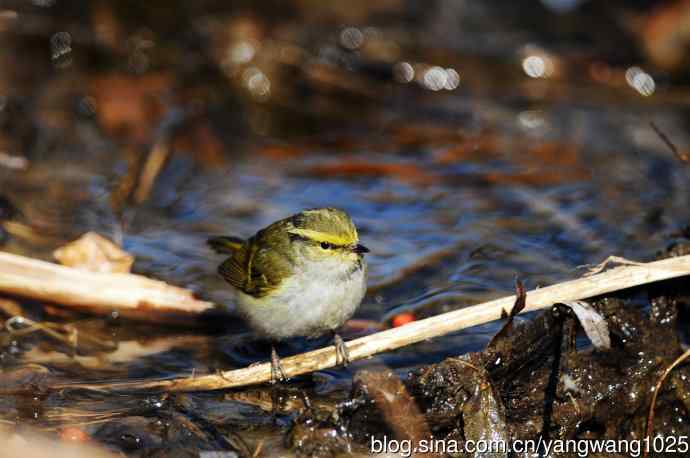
325, 245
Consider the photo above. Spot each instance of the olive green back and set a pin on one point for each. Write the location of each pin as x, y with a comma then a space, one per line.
258, 265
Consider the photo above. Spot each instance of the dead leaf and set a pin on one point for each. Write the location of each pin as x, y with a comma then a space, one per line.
666, 33
398, 407
129, 105
520, 303
94, 253
411, 135
281, 151
468, 148
107, 27
593, 323
484, 419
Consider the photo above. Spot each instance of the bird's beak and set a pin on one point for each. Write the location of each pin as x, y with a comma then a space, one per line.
359, 249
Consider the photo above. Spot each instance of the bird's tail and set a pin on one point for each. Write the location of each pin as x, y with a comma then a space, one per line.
225, 244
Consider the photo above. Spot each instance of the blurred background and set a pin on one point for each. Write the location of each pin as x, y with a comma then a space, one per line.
472, 142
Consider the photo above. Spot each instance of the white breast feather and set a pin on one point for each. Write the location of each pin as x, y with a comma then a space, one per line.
319, 297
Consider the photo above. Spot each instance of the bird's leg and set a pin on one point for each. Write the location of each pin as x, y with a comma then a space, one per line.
341, 355
277, 373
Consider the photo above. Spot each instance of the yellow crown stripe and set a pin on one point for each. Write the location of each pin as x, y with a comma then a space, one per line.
322, 237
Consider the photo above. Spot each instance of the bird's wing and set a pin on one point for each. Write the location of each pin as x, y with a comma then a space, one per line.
252, 270
225, 244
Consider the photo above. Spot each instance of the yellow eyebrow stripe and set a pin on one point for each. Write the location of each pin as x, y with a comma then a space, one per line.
322, 237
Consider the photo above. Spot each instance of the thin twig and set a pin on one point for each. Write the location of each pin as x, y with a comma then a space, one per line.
151, 169
606, 282
657, 388
667, 141
135, 186
257, 450
65, 333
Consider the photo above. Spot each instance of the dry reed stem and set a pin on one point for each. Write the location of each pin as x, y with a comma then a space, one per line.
131, 295
582, 288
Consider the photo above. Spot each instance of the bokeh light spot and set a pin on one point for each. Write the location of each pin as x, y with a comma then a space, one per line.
435, 78
452, 79
403, 72
242, 52
351, 38
640, 80
534, 66
257, 82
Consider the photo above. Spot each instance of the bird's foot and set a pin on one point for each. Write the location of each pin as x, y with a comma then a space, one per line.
277, 373
342, 356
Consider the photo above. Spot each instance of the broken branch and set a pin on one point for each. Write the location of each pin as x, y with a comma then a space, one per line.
582, 288
133, 296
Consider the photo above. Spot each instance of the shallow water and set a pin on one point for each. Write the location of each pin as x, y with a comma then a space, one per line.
456, 192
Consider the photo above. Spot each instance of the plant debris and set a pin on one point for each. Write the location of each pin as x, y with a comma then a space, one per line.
536, 382
94, 253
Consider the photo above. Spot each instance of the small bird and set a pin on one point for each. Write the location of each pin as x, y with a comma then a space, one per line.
304, 275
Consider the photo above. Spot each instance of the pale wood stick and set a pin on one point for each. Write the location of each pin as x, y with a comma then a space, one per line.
582, 288
132, 295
